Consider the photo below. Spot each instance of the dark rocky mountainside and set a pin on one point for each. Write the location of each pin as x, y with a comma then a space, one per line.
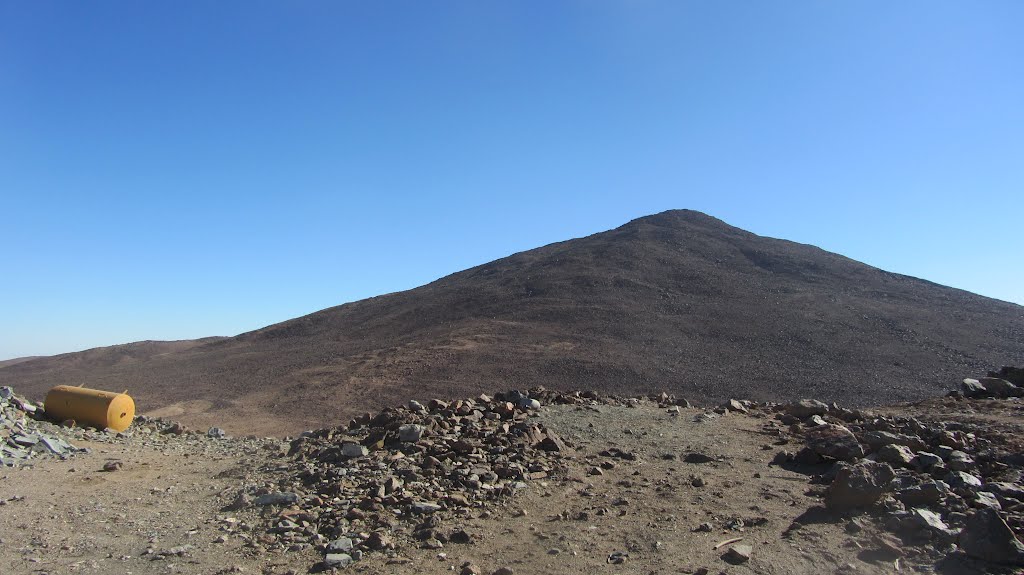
678, 301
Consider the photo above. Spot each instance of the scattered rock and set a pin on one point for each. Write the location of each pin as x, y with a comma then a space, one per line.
617, 557
410, 433
834, 441
987, 537
898, 455
353, 450
337, 560
1000, 387
697, 458
112, 466
340, 545
859, 485
805, 408
738, 554
279, 498
734, 405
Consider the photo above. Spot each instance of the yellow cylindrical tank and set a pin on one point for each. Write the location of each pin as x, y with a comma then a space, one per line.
94, 407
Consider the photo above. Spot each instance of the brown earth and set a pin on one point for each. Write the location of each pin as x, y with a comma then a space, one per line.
161, 512
678, 301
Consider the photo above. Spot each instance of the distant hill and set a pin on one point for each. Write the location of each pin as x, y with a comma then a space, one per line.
7, 362
677, 301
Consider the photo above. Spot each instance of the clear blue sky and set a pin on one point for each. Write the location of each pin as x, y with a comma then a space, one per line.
172, 170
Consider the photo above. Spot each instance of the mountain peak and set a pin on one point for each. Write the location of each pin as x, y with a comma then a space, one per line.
677, 301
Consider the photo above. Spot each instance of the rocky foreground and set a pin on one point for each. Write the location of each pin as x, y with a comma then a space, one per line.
537, 482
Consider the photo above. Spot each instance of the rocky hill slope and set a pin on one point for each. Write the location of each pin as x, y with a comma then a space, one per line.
678, 301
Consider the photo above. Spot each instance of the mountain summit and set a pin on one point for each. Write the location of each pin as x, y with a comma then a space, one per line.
678, 301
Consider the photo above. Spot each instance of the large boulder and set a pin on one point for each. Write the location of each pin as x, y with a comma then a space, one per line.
1000, 387
986, 536
974, 389
1005, 490
879, 439
898, 455
1014, 375
805, 408
859, 485
834, 441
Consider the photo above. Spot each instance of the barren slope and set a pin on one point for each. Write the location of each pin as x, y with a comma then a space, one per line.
678, 301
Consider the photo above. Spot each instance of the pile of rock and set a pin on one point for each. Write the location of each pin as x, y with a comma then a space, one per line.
950, 486
22, 437
410, 475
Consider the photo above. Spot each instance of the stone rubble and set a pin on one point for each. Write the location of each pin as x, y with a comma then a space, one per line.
416, 475
941, 488
411, 475
24, 435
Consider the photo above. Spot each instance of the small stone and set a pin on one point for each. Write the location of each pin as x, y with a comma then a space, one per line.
986, 499
241, 501
379, 541
834, 441
734, 405
859, 485
1000, 387
925, 461
504, 571
422, 507
926, 493
337, 560
470, 569
1005, 490
340, 545
410, 433
617, 557
112, 466
898, 455
278, 498
738, 554
974, 389
986, 536
962, 480
528, 404
353, 450
805, 408
553, 443
928, 519
960, 461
